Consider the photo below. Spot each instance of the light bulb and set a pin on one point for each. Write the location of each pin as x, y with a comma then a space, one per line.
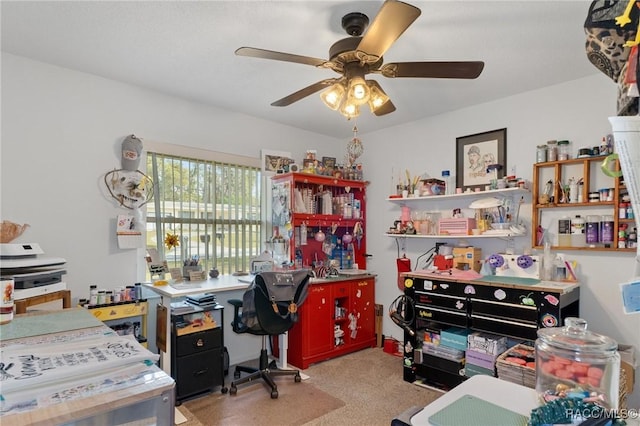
358, 91
377, 97
349, 110
333, 96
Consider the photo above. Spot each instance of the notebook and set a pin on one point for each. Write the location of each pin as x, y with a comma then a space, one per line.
470, 410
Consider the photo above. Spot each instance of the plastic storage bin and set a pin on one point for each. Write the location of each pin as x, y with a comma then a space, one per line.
572, 362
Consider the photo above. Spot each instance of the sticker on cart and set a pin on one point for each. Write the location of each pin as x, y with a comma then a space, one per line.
444, 286
459, 305
499, 294
552, 299
527, 300
549, 320
469, 289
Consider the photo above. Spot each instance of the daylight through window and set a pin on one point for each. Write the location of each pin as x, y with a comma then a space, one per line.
212, 207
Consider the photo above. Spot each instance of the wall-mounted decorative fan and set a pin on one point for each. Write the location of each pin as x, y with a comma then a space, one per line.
356, 56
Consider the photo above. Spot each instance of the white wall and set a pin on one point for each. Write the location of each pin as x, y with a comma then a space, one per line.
61, 131
576, 111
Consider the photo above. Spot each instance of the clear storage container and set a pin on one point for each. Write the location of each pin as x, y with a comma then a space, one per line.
564, 150
552, 150
572, 362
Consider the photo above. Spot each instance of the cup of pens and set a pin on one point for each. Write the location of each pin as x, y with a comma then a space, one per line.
191, 265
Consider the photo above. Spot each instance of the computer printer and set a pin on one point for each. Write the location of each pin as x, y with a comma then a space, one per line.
22, 263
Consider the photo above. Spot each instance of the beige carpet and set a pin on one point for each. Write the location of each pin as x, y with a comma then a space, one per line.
362, 388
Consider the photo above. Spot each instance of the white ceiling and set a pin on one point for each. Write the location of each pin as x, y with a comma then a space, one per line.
187, 49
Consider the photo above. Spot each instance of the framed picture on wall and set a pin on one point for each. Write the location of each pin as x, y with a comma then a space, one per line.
275, 162
474, 153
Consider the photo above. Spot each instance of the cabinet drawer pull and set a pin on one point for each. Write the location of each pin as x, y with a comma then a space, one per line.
519, 324
515, 305
429, 308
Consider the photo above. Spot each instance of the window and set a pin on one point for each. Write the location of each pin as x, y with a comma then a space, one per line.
213, 206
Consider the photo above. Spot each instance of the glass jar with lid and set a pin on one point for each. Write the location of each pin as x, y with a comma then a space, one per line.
564, 150
552, 150
572, 362
541, 153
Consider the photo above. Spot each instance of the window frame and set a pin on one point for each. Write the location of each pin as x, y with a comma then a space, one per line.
198, 154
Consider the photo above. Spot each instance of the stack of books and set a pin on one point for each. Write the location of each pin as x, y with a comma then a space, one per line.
202, 299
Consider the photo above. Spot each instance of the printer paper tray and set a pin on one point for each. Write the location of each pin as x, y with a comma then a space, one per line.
36, 278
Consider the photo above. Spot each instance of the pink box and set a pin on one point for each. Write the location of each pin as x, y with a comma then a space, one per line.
479, 359
456, 226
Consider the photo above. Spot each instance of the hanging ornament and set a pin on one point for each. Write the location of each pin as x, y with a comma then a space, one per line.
354, 147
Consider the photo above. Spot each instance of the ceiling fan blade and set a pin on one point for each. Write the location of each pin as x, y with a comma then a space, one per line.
279, 56
303, 93
468, 69
386, 108
392, 20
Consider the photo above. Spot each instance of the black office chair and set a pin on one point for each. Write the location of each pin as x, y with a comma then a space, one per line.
269, 308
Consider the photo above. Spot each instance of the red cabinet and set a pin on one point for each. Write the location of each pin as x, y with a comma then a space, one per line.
304, 204
337, 318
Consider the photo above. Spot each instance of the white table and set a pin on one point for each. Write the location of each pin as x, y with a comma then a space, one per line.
170, 293
511, 396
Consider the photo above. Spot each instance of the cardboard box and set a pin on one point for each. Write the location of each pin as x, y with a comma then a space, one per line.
455, 337
480, 359
487, 343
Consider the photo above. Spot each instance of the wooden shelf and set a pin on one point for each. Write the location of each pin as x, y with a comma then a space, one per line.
467, 195
559, 170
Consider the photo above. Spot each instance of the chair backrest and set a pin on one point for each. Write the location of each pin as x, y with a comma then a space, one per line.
270, 304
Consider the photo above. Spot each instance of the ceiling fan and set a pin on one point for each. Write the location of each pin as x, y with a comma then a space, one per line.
358, 55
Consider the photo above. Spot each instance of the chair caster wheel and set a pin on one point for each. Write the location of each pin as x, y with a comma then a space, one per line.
224, 390
297, 378
233, 390
274, 394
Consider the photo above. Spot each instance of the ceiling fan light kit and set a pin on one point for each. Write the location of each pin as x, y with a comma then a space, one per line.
349, 110
333, 96
358, 55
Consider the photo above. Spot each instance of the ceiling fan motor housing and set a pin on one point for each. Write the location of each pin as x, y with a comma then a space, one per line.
355, 23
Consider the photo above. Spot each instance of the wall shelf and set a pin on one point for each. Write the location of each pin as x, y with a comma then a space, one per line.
464, 195
446, 236
588, 169
416, 201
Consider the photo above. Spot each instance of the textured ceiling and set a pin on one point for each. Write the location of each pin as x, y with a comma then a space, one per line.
186, 49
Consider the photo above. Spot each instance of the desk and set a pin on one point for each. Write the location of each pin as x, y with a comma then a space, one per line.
126, 392
511, 396
23, 304
170, 293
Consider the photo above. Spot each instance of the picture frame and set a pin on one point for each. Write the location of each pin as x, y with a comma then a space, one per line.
329, 162
474, 153
274, 162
